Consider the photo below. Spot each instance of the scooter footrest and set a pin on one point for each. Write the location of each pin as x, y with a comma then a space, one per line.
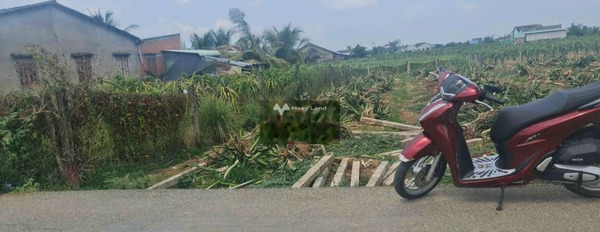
485, 168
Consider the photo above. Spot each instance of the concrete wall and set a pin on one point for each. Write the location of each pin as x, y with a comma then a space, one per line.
58, 31
546, 35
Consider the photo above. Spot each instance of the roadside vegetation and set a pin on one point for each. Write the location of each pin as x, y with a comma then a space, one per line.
122, 133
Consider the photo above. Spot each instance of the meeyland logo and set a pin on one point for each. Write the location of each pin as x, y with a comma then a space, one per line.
281, 110
285, 107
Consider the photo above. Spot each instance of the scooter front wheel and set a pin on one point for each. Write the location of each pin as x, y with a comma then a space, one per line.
411, 181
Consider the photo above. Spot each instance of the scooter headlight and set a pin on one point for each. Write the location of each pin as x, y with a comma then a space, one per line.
453, 85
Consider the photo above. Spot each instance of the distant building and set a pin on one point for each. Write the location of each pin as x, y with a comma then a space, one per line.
346, 52
153, 63
476, 40
317, 54
534, 32
91, 47
230, 49
418, 47
504, 39
424, 46
189, 62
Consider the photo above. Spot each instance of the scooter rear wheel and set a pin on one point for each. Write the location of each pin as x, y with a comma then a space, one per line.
410, 179
590, 190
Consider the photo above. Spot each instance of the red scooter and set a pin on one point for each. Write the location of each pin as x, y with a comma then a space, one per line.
552, 138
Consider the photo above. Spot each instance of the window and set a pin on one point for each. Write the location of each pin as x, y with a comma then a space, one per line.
27, 71
83, 62
150, 61
122, 63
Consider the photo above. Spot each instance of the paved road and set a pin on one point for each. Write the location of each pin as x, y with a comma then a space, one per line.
534, 208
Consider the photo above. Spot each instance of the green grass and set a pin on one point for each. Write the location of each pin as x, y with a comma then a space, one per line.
137, 175
365, 145
407, 96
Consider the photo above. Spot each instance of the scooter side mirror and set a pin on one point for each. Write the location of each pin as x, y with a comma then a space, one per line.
492, 89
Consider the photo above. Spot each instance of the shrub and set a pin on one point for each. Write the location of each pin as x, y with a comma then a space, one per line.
216, 120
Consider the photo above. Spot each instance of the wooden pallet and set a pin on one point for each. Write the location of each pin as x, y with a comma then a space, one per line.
319, 175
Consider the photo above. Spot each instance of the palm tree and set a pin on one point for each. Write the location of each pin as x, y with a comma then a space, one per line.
284, 42
222, 36
108, 18
248, 39
206, 41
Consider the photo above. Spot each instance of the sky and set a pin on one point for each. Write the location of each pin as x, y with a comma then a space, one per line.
335, 24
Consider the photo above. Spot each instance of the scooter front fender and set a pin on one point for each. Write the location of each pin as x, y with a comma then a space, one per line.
418, 147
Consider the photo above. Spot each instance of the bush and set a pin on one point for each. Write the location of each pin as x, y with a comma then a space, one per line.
216, 120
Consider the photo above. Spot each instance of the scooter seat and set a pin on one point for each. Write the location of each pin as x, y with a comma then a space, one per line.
514, 118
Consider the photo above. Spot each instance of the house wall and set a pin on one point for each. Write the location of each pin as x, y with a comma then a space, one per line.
155, 47
425, 47
321, 55
60, 32
409, 48
516, 34
546, 35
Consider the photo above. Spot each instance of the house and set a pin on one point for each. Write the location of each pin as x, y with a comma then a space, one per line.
346, 52
517, 31
476, 40
227, 66
409, 48
230, 49
153, 63
180, 63
534, 32
314, 53
418, 47
424, 46
90, 47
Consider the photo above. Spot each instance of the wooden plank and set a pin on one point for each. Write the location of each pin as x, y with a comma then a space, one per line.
472, 142
320, 181
389, 176
339, 174
389, 124
355, 178
405, 141
314, 171
391, 170
242, 184
401, 134
377, 176
173, 180
390, 153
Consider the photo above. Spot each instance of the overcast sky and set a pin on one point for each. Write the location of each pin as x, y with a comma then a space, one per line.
336, 24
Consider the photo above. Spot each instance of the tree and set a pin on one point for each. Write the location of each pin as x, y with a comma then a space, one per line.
581, 30
376, 50
393, 46
248, 39
222, 36
358, 51
488, 39
284, 42
206, 41
108, 18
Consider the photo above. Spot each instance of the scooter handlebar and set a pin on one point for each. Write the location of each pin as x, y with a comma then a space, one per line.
490, 98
